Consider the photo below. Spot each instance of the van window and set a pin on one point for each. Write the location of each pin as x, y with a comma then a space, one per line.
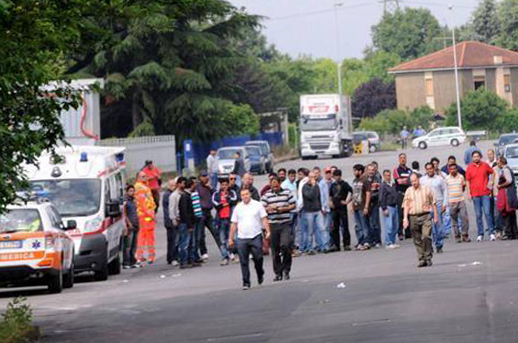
55, 219
119, 186
107, 190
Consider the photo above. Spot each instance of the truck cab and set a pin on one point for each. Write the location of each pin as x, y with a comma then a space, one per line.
325, 126
86, 185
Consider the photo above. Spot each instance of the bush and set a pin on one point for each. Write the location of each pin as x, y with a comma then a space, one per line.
508, 122
481, 109
16, 325
392, 121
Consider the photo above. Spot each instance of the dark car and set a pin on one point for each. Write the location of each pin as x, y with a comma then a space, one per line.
505, 139
257, 161
266, 152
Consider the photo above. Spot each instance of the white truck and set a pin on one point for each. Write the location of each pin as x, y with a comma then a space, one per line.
325, 126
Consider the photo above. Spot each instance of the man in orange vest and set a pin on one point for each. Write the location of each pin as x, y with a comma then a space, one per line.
146, 214
153, 174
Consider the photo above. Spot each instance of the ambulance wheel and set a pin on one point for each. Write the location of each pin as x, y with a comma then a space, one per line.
68, 279
114, 268
55, 283
102, 274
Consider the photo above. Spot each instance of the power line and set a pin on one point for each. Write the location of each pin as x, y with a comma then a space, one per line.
328, 10
438, 4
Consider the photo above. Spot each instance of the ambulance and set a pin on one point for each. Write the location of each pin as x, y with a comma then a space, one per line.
86, 185
35, 248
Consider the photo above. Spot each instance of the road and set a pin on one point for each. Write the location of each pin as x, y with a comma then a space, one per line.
469, 295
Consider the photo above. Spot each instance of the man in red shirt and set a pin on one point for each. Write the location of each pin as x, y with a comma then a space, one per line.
153, 175
480, 186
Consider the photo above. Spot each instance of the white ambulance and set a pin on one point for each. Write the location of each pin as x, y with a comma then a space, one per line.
86, 184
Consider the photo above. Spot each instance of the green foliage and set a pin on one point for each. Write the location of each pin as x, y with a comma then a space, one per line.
508, 20
372, 97
241, 120
392, 121
144, 129
481, 109
16, 325
485, 22
408, 33
293, 135
508, 122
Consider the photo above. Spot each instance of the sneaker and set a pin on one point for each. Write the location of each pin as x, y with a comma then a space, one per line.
359, 247
401, 237
377, 246
126, 267
458, 239
480, 238
347, 248
246, 286
136, 266
429, 263
396, 246
439, 250
492, 237
175, 263
466, 239
366, 245
205, 257
224, 262
421, 264
277, 278
232, 257
286, 276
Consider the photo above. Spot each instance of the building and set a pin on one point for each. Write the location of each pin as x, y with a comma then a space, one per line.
430, 80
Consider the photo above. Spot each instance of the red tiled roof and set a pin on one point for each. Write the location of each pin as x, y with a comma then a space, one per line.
469, 55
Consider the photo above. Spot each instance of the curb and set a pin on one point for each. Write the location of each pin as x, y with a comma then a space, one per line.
286, 158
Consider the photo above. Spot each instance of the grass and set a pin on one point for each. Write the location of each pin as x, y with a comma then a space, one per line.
16, 324
388, 146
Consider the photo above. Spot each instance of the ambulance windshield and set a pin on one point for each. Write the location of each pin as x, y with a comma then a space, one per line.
72, 198
26, 220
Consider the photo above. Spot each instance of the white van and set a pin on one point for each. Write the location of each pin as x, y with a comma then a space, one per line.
86, 184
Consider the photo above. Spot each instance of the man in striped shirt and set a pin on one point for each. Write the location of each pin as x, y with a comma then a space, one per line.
455, 201
279, 203
198, 223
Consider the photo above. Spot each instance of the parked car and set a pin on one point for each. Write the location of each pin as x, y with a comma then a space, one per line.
453, 136
35, 247
510, 152
266, 152
257, 160
503, 141
373, 138
227, 159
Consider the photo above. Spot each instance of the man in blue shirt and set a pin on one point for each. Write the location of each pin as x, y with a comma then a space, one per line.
469, 151
404, 137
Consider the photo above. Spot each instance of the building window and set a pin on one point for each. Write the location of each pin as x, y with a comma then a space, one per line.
479, 81
507, 83
429, 87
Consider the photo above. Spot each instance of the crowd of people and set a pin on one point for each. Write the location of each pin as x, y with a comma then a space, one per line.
304, 212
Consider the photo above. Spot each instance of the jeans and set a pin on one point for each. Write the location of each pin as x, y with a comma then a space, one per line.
224, 231
482, 205
437, 229
362, 227
172, 244
208, 221
214, 180
129, 248
391, 223
184, 243
326, 238
311, 225
244, 248
373, 218
340, 225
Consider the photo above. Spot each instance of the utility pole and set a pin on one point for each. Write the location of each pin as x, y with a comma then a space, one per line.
459, 113
339, 67
390, 6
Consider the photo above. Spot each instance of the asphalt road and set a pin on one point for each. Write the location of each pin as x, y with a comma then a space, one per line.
469, 295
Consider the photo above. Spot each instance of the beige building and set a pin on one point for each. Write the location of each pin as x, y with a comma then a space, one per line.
430, 80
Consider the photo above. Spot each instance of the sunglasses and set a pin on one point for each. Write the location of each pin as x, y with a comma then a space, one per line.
232, 178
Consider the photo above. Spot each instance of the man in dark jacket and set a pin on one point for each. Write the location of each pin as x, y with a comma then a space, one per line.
248, 183
339, 197
205, 192
224, 201
388, 204
239, 167
313, 219
186, 228
172, 230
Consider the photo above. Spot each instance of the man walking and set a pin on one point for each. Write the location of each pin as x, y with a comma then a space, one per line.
480, 188
340, 197
248, 183
454, 200
468, 154
401, 175
279, 203
403, 135
146, 215
239, 168
171, 229
438, 186
248, 219
388, 204
224, 200
418, 203
212, 168
205, 192
186, 226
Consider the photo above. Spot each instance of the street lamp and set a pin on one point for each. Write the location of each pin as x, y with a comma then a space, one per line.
459, 113
339, 69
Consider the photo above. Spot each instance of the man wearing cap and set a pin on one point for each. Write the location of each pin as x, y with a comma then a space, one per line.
153, 175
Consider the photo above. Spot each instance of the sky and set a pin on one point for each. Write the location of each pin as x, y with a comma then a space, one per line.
308, 27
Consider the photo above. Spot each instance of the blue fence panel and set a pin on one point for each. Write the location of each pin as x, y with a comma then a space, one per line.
202, 150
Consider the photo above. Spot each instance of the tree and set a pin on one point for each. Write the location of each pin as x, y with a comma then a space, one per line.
485, 23
508, 14
481, 109
408, 33
392, 121
372, 97
36, 36
378, 63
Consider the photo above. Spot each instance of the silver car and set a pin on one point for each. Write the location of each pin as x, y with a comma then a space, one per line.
372, 137
227, 159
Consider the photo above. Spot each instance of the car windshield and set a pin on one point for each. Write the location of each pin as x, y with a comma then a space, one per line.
72, 198
227, 154
371, 135
507, 139
253, 151
20, 220
511, 152
313, 124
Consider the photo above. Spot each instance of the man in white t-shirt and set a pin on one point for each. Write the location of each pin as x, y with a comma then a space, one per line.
249, 218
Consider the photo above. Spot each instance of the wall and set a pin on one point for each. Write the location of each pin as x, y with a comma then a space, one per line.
410, 91
444, 89
160, 149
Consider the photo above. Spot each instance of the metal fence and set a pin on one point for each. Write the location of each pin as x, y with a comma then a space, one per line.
160, 149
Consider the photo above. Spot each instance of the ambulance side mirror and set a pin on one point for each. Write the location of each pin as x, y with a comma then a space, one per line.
71, 225
113, 209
